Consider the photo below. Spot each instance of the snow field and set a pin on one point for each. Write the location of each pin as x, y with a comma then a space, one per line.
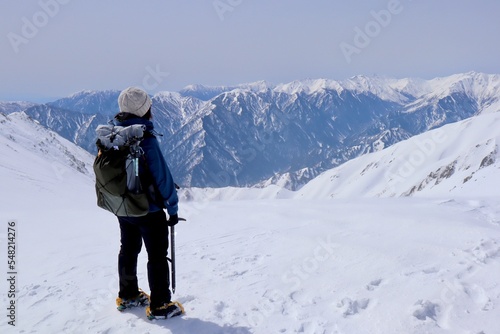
274, 266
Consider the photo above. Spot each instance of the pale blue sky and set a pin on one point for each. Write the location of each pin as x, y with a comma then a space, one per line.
52, 48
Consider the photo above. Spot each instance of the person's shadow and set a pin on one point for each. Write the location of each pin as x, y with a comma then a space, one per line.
186, 325
181, 325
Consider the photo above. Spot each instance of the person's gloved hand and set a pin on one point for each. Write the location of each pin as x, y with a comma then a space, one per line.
172, 220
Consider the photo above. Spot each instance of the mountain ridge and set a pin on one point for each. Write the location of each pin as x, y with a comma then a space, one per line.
259, 133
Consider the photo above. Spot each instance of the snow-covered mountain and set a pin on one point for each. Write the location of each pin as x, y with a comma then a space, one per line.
309, 126
260, 133
458, 160
76, 126
206, 93
8, 107
76, 117
90, 102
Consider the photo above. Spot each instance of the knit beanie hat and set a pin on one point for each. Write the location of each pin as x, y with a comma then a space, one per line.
134, 101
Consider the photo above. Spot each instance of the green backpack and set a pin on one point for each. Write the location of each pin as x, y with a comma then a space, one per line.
116, 167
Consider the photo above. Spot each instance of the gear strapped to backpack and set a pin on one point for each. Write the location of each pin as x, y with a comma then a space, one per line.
116, 167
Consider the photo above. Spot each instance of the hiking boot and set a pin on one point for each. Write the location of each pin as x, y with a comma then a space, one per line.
142, 299
167, 311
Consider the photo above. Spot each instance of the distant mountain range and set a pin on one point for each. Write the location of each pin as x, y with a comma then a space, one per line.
260, 134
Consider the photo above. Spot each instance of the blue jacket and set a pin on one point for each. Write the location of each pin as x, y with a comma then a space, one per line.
157, 166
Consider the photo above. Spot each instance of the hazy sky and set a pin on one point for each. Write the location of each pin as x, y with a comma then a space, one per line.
52, 48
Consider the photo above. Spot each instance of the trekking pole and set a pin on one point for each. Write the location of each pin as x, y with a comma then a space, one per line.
172, 253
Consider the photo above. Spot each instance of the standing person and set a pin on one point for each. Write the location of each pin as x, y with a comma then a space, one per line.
152, 229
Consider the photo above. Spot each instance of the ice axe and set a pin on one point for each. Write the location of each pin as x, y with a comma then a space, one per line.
172, 253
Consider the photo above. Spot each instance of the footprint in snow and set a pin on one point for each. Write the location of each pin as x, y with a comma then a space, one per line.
479, 296
485, 251
426, 309
351, 307
374, 284
478, 257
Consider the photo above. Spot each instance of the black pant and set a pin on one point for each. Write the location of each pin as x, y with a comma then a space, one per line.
153, 229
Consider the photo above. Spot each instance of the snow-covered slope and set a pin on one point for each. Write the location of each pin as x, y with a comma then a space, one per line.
457, 159
363, 266
23, 139
35, 160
